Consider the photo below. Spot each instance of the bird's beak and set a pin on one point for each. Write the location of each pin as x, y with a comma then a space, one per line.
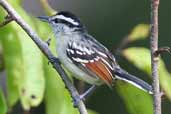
44, 18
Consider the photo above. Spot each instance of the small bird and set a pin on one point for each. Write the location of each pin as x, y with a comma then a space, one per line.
84, 56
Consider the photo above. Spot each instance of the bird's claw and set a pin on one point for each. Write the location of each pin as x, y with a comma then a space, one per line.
77, 100
48, 41
54, 60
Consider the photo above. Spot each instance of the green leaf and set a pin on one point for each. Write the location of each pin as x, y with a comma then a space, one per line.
141, 31
12, 58
28, 78
136, 100
92, 112
32, 85
140, 57
3, 105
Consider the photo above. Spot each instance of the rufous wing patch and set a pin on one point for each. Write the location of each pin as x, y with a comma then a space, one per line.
101, 70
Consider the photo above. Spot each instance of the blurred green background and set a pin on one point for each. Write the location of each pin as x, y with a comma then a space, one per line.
30, 86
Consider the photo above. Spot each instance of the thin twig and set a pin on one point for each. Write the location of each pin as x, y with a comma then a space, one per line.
8, 19
154, 57
44, 48
163, 49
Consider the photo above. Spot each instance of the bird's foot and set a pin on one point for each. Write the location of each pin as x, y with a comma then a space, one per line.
48, 42
54, 60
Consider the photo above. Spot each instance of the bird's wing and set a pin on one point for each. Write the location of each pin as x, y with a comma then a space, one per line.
92, 58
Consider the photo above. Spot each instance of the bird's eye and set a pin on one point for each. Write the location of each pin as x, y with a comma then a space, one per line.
55, 20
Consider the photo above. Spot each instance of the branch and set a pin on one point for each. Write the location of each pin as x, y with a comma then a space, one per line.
154, 57
45, 49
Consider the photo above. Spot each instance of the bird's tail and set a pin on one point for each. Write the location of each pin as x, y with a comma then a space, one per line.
125, 76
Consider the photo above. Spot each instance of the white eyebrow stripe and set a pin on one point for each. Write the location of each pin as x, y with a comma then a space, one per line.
67, 19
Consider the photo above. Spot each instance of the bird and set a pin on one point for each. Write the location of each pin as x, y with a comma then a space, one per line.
85, 57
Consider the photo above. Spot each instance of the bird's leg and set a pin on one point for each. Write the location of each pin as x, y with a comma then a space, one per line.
84, 95
54, 60
88, 92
